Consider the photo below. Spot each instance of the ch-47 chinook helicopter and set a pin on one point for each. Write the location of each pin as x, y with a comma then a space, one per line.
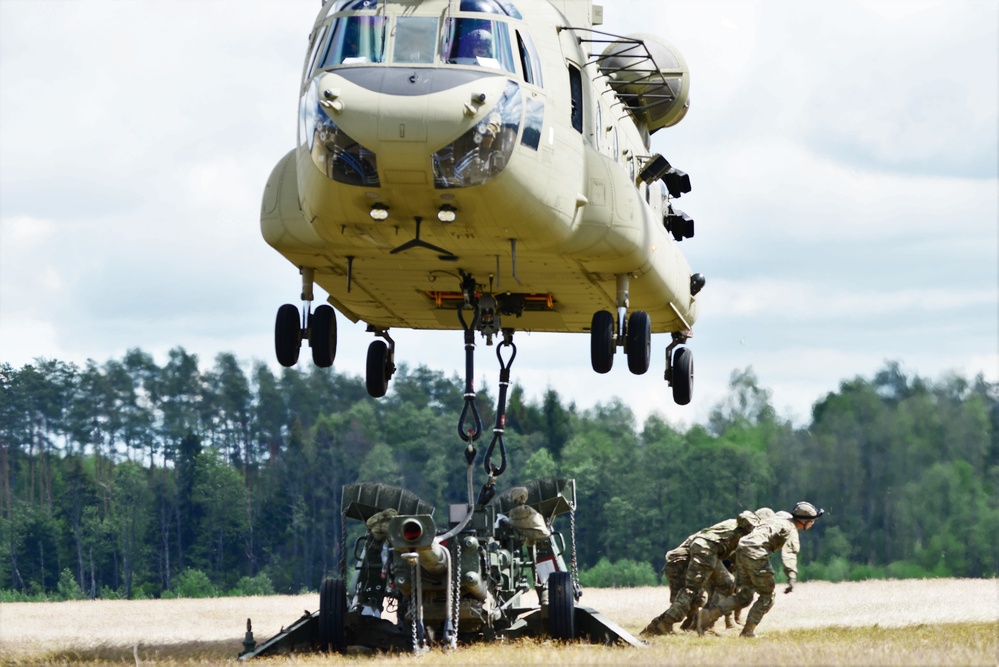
490, 156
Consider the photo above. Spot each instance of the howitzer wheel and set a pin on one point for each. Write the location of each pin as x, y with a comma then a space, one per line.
561, 606
332, 610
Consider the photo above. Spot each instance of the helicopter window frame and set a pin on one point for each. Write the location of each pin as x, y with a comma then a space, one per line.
530, 63
370, 27
456, 31
317, 47
576, 97
355, 5
399, 26
502, 7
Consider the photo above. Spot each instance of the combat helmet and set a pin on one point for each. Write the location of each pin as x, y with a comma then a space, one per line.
480, 38
806, 512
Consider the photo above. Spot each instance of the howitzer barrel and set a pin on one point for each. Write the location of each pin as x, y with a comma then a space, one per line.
433, 559
416, 533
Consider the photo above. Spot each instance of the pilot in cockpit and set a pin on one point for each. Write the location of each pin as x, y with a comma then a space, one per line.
475, 47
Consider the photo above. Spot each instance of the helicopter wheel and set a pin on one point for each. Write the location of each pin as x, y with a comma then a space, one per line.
561, 606
602, 341
683, 375
322, 336
287, 335
332, 610
377, 370
639, 342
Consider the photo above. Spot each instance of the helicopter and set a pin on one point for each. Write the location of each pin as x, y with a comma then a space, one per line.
485, 165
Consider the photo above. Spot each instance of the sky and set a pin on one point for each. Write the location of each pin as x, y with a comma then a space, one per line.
844, 159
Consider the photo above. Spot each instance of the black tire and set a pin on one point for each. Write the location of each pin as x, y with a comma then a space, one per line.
332, 611
322, 336
602, 341
683, 375
561, 606
287, 335
639, 342
377, 374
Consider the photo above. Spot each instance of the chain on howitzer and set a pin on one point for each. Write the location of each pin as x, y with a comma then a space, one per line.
456, 596
573, 567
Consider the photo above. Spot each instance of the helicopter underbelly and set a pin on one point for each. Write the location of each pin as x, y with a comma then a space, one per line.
544, 231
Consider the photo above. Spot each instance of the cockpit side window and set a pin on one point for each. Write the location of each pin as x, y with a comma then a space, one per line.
529, 60
355, 40
415, 39
576, 93
481, 42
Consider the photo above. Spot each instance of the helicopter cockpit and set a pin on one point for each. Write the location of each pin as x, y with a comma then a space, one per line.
362, 32
486, 36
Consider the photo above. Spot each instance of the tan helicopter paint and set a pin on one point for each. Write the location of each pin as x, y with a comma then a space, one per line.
571, 210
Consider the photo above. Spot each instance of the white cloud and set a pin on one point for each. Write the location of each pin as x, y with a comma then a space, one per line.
843, 214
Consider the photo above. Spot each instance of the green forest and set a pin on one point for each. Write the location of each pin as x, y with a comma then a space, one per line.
131, 479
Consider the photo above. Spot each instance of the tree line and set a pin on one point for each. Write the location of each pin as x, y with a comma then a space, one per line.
132, 479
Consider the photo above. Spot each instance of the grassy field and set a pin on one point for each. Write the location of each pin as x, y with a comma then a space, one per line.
925, 622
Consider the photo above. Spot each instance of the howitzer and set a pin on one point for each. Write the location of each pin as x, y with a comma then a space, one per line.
466, 581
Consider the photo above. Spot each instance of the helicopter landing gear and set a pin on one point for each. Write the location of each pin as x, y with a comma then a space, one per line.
680, 368
633, 332
291, 327
322, 336
288, 335
602, 341
380, 366
638, 342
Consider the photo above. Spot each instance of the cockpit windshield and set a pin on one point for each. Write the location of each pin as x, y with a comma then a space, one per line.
476, 40
415, 39
355, 40
473, 41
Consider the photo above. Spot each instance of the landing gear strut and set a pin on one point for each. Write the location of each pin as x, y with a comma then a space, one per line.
292, 327
633, 333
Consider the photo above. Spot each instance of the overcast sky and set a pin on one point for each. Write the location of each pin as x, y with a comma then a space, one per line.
843, 159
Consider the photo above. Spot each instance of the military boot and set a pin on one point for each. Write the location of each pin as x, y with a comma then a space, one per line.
659, 626
747, 630
729, 623
706, 618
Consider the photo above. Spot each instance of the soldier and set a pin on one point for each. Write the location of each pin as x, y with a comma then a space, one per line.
753, 568
676, 566
763, 514
707, 550
675, 571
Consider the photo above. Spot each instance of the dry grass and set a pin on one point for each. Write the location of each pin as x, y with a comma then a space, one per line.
927, 622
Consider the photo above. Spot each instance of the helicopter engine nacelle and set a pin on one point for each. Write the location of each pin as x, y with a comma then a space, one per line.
651, 78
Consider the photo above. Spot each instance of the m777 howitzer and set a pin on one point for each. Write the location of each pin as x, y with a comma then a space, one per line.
465, 582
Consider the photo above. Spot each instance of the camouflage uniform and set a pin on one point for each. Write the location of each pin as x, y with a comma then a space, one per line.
706, 551
676, 566
754, 571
